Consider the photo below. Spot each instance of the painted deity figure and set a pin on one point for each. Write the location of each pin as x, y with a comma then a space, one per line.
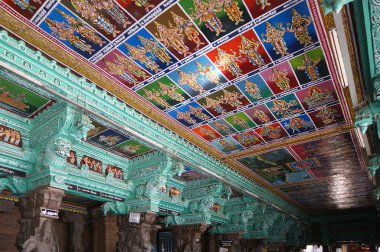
63, 31
143, 3
283, 108
206, 12
186, 116
25, 5
214, 104
233, 11
316, 96
232, 98
208, 133
17, 101
280, 78
155, 49
139, 53
252, 89
191, 80
172, 37
188, 29
249, 48
170, 91
327, 115
208, 72
296, 124
223, 128
247, 139
261, 116
78, 26
240, 122
276, 38
263, 3
310, 67
299, 27
155, 96
113, 10
227, 145
119, 70
131, 66
109, 140
271, 132
89, 11
228, 62
198, 112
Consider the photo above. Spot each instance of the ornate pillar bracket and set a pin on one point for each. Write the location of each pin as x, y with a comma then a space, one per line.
137, 237
367, 115
333, 5
37, 231
188, 237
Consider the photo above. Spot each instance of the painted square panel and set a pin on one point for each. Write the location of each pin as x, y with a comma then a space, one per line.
207, 132
259, 7
173, 29
10, 136
20, 100
280, 78
248, 139
131, 148
122, 68
72, 158
297, 125
240, 55
327, 116
108, 18
318, 95
190, 114
216, 19
72, 32
227, 144
224, 101
107, 139
260, 114
272, 132
163, 93
198, 76
310, 66
285, 106
255, 88
288, 32
26, 8
240, 121
270, 165
304, 164
146, 51
96, 130
139, 8
223, 127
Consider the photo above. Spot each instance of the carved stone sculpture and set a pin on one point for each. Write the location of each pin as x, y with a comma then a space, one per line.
44, 239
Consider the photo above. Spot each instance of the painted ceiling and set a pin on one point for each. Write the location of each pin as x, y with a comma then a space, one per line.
238, 76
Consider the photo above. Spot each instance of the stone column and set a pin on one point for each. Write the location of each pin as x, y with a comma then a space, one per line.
135, 237
30, 208
76, 230
97, 229
188, 237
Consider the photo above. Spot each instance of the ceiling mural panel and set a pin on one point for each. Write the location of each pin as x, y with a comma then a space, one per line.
20, 100
113, 141
236, 74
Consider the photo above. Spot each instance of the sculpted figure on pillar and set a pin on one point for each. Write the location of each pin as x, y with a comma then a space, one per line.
44, 239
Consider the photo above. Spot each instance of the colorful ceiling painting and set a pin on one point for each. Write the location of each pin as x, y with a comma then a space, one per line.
113, 141
20, 100
190, 174
315, 173
235, 73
